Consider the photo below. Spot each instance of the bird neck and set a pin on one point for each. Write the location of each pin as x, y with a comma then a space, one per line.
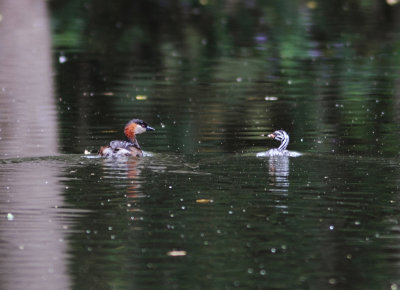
284, 143
134, 142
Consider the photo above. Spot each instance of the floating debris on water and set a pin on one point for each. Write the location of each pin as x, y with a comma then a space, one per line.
203, 200
141, 97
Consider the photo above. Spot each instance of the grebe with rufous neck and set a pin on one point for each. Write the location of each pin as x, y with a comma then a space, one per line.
130, 147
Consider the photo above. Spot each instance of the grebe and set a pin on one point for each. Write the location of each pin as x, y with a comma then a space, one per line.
283, 137
131, 146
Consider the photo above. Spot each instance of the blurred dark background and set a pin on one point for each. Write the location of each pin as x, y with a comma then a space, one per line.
332, 65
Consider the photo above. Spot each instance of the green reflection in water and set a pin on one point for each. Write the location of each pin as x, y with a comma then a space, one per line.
271, 223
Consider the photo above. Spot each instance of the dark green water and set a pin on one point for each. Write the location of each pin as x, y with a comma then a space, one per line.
213, 79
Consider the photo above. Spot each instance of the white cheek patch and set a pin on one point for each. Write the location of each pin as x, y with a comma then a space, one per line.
139, 129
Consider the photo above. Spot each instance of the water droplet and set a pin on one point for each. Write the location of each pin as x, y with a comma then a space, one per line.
10, 216
62, 59
332, 281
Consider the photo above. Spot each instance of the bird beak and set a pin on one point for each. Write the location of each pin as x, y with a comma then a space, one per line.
148, 128
272, 136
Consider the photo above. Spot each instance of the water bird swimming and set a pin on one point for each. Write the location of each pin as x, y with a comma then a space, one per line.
131, 146
283, 137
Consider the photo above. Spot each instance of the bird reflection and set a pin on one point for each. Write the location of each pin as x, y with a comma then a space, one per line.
278, 169
133, 190
128, 169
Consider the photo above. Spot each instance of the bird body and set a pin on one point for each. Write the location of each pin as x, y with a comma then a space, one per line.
130, 147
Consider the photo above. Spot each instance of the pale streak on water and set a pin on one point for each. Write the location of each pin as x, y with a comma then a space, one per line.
33, 248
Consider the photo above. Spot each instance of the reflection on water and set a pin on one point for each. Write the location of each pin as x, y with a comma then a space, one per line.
262, 213
34, 246
278, 169
33, 236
